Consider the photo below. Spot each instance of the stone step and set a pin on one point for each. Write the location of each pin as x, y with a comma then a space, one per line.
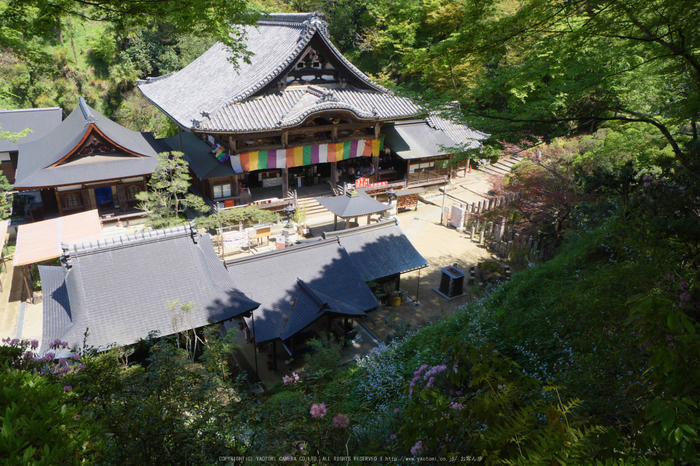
504, 169
311, 207
490, 171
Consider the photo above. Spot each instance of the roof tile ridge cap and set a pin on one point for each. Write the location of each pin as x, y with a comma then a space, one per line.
151, 79
141, 237
296, 118
353, 68
303, 41
38, 109
85, 108
292, 24
312, 293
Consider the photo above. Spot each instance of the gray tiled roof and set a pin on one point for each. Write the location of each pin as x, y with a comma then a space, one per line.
36, 156
292, 284
289, 108
460, 134
415, 139
39, 120
199, 156
209, 94
352, 206
120, 288
379, 250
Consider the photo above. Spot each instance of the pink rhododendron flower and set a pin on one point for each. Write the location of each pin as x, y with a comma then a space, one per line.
415, 449
341, 421
318, 410
67, 388
287, 380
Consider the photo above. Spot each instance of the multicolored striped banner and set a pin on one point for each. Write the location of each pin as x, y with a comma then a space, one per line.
220, 155
307, 155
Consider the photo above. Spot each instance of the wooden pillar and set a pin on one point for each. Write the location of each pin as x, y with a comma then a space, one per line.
235, 188
377, 130
334, 172
285, 182
274, 355
285, 139
335, 222
58, 201
334, 134
375, 162
368, 217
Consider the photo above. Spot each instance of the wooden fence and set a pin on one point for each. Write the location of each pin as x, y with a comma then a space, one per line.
496, 235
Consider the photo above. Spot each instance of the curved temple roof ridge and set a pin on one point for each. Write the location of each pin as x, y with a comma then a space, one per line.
129, 240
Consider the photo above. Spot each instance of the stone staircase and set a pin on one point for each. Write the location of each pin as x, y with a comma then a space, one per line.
311, 207
502, 167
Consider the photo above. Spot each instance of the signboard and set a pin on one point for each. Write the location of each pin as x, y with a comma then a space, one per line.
362, 182
380, 183
236, 239
229, 203
458, 216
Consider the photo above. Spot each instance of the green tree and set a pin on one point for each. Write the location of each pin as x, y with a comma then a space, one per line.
549, 68
249, 214
217, 18
168, 193
168, 411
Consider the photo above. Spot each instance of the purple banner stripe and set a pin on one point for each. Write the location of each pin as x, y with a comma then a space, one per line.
353, 149
314, 154
272, 159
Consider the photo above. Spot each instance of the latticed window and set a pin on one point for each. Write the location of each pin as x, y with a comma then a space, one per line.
133, 191
72, 200
222, 190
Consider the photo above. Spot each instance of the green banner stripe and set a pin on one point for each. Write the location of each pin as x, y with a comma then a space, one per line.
307, 155
262, 160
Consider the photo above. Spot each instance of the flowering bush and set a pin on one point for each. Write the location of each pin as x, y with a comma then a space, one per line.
318, 410
41, 423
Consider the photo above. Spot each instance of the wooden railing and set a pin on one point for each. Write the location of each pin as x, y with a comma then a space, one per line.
426, 177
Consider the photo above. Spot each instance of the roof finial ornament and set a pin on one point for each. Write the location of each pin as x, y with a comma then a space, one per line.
315, 22
89, 117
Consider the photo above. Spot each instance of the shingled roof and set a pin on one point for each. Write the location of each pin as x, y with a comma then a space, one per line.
379, 250
460, 134
296, 286
210, 95
119, 289
352, 204
42, 163
39, 120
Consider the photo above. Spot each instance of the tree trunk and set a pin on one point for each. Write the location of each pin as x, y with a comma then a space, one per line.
60, 29
75, 55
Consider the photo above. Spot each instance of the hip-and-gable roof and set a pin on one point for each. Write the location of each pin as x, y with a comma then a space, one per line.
48, 161
216, 95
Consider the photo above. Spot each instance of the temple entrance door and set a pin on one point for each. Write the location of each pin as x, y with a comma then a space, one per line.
103, 197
